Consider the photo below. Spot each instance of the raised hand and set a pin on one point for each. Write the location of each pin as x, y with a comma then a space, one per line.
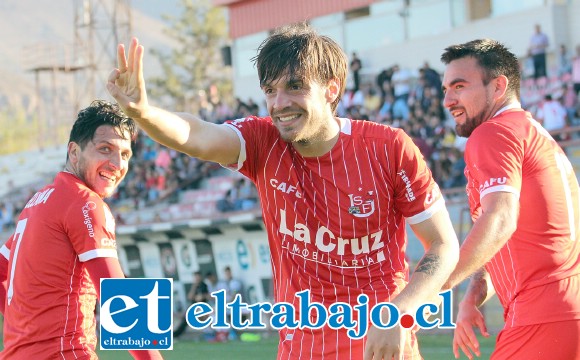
126, 83
464, 337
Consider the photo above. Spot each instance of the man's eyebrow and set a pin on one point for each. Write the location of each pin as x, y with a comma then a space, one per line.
109, 143
454, 82
295, 81
292, 81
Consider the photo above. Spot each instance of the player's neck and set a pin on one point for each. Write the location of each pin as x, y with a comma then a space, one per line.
321, 142
69, 168
506, 104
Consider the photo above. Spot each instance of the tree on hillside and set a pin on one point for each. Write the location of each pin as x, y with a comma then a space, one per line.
196, 66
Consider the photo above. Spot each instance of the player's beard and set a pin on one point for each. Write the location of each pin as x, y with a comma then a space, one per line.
465, 129
471, 123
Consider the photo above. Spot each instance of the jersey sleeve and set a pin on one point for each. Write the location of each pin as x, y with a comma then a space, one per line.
494, 158
418, 197
255, 134
5, 249
91, 228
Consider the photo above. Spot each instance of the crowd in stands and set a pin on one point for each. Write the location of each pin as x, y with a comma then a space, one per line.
398, 96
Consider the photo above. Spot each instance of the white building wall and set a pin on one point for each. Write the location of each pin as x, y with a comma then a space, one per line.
559, 20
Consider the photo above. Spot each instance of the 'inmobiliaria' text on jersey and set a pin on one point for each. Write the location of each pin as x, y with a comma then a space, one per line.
336, 223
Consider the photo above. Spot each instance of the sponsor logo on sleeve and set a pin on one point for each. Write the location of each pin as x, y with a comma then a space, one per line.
87, 220
433, 195
410, 195
491, 182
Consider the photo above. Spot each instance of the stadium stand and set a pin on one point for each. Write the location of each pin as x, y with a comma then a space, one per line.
166, 186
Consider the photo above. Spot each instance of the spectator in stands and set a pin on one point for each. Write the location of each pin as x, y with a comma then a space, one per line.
385, 115
539, 43
246, 195
3, 216
211, 282
576, 70
320, 174
353, 100
64, 244
199, 291
355, 66
384, 82
570, 102
552, 114
232, 285
164, 158
564, 61
401, 82
372, 101
456, 176
432, 78
228, 202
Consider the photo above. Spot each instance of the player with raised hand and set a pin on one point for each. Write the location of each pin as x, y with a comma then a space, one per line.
335, 192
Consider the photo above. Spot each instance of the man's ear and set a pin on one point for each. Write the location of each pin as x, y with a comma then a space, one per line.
74, 152
501, 86
332, 90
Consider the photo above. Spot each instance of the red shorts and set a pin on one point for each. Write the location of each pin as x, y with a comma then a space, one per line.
549, 341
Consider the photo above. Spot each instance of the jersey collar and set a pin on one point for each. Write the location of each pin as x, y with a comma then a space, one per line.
512, 105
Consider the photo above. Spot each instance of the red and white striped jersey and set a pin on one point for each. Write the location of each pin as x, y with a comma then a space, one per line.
336, 223
513, 153
50, 300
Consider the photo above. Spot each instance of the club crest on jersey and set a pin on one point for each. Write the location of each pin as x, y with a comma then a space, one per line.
361, 207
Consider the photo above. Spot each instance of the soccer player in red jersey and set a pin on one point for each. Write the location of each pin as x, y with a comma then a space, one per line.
523, 196
335, 192
64, 243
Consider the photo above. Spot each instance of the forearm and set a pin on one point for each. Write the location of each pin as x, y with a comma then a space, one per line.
191, 135
479, 290
170, 129
428, 278
488, 235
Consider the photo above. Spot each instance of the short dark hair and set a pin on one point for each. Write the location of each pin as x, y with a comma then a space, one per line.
101, 112
494, 58
299, 50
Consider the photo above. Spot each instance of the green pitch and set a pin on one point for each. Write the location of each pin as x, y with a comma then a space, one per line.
433, 347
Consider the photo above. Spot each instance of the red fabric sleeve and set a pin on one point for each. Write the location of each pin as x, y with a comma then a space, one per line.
100, 268
3, 281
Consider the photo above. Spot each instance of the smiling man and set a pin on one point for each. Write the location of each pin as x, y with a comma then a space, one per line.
523, 197
64, 243
335, 192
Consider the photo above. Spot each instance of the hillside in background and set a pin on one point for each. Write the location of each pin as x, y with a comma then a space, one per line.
28, 28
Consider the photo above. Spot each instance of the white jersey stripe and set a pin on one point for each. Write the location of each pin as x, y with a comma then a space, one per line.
4, 251
503, 188
428, 213
98, 253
